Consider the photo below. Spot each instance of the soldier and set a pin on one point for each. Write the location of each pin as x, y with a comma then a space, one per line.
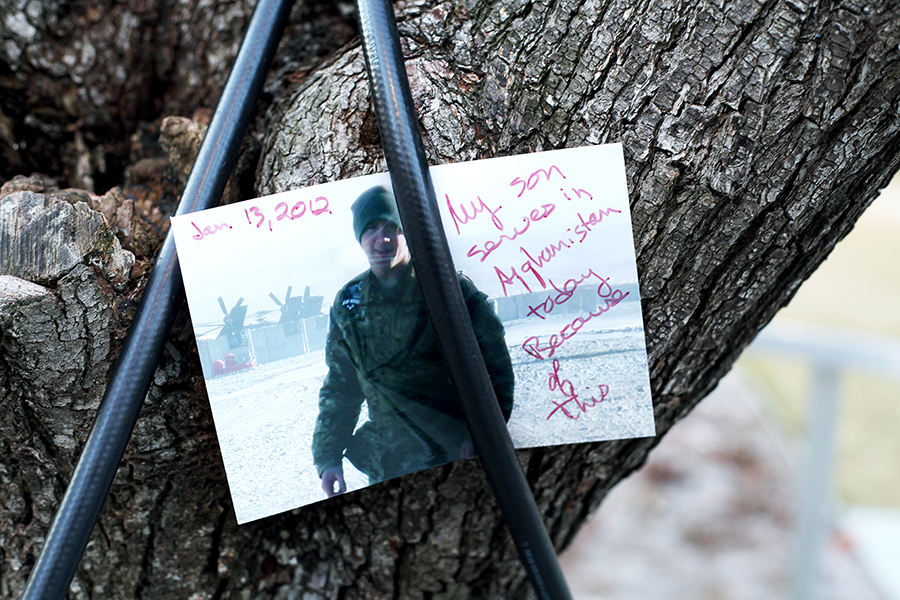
381, 349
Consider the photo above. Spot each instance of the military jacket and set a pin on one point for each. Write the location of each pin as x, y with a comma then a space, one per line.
382, 350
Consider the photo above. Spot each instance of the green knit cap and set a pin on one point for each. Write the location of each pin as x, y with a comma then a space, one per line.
374, 204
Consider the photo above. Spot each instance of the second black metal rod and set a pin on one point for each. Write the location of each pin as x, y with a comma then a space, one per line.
130, 379
437, 277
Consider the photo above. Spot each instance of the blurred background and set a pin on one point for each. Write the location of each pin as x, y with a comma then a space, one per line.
785, 481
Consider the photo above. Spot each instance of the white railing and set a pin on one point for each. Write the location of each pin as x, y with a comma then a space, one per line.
830, 352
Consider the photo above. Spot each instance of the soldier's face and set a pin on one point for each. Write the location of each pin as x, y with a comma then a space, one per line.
385, 247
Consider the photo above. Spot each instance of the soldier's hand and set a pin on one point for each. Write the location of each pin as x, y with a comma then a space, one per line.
330, 477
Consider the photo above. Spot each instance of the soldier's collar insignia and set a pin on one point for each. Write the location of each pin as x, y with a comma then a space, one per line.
352, 296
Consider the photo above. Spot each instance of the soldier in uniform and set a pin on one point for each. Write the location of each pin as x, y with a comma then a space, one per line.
381, 349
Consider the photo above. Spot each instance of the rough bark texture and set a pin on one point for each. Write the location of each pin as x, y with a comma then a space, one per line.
78, 78
755, 132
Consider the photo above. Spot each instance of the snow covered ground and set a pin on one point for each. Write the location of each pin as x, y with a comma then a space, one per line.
265, 416
264, 419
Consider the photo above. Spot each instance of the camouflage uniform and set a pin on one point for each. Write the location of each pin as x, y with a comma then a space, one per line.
382, 349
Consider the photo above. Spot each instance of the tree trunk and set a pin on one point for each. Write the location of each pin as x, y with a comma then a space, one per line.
755, 133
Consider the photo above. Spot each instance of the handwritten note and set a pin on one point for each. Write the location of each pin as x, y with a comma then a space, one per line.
546, 236
567, 389
257, 218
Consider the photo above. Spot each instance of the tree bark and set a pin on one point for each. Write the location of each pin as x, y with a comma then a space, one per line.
755, 133
78, 79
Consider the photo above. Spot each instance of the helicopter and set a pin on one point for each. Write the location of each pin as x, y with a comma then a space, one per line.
234, 323
295, 308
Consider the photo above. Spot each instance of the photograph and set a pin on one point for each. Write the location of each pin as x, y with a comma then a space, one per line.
323, 371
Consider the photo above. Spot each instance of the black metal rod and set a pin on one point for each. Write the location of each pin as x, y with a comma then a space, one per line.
437, 277
130, 379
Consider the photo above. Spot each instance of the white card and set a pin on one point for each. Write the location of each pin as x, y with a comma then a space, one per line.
546, 236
